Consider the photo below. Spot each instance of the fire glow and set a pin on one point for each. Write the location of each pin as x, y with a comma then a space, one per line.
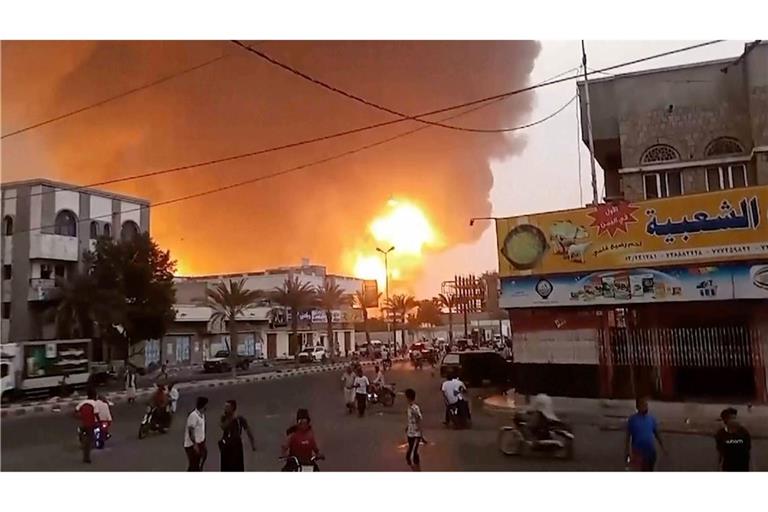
404, 226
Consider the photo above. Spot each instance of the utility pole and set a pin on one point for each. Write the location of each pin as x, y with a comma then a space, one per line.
386, 288
589, 125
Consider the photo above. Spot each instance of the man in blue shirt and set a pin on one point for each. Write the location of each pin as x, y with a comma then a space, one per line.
642, 435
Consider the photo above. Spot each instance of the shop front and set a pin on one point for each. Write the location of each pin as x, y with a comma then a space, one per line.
666, 297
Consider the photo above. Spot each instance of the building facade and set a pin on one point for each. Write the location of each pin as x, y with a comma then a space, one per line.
47, 226
662, 289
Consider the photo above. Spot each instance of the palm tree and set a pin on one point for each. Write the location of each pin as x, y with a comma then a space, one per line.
228, 301
400, 305
359, 298
429, 312
449, 301
297, 297
330, 296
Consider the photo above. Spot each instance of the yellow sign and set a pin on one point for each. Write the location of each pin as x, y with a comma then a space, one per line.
718, 226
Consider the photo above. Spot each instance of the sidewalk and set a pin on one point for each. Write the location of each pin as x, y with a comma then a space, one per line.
57, 405
673, 417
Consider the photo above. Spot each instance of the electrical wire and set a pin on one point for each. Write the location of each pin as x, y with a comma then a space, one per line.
489, 99
300, 167
115, 97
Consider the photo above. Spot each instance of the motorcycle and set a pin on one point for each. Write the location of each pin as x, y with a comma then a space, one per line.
459, 416
101, 434
154, 420
385, 396
292, 464
386, 364
518, 439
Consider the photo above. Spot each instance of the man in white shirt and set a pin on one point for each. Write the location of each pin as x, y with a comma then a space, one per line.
453, 391
361, 385
194, 436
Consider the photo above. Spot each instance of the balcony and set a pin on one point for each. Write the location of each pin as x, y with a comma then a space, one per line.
53, 247
41, 289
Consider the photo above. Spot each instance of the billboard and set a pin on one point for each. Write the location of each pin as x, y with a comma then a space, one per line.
371, 293
637, 286
722, 226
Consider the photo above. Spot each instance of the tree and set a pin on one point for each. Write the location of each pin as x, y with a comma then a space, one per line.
297, 297
73, 307
330, 296
449, 301
400, 305
136, 276
428, 312
229, 301
359, 299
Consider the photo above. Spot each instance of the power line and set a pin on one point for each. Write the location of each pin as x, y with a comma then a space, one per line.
268, 58
479, 102
302, 166
115, 97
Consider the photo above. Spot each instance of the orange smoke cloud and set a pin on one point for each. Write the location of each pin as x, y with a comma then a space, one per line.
326, 213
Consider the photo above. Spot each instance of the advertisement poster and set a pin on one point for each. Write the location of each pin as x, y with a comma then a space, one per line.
634, 286
68, 359
723, 226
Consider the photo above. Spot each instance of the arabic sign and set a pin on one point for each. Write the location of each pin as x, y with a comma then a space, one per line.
635, 286
718, 226
69, 359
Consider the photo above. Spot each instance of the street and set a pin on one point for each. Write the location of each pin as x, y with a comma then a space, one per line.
374, 443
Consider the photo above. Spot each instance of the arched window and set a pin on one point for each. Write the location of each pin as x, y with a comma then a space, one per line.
66, 223
660, 153
724, 146
129, 231
108, 230
7, 225
94, 230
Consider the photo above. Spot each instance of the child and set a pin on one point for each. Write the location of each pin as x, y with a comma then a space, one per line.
413, 431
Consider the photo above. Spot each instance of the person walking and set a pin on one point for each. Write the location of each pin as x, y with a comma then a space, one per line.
130, 385
733, 443
194, 436
642, 436
348, 385
361, 385
173, 396
231, 442
413, 431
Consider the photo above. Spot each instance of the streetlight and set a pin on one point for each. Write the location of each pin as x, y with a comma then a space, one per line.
386, 281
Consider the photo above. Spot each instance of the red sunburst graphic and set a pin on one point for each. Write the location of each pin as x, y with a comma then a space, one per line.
612, 217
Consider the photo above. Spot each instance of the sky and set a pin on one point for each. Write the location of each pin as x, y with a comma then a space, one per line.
323, 214
545, 175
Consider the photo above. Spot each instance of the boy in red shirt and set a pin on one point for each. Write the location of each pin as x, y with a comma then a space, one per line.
301, 443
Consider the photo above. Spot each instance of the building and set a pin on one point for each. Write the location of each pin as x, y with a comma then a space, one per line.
264, 330
47, 226
661, 289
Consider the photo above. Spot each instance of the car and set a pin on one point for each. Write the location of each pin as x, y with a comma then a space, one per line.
426, 350
476, 367
312, 354
220, 362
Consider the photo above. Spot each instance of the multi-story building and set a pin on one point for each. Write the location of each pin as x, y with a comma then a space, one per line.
47, 226
661, 289
264, 330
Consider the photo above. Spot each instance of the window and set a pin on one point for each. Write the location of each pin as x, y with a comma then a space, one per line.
45, 271
59, 270
660, 153
663, 184
727, 176
7, 271
7, 225
5, 369
724, 146
94, 230
66, 223
108, 230
6, 310
130, 230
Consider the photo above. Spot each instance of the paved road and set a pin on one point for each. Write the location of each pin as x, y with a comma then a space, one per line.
374, 443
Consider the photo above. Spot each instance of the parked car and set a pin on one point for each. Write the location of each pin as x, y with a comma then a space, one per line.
221, 363
312, 354
477, 367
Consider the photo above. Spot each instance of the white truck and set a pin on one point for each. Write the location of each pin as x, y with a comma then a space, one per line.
36, 367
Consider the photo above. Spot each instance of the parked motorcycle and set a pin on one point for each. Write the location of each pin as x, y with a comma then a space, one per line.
385, 396
519, 439
292, 464
154, 420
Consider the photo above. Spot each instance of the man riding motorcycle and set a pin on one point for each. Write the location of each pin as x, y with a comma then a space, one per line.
159, 404
300, 443
542, 417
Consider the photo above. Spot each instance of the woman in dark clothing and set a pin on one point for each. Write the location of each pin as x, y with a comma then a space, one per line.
231, 443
